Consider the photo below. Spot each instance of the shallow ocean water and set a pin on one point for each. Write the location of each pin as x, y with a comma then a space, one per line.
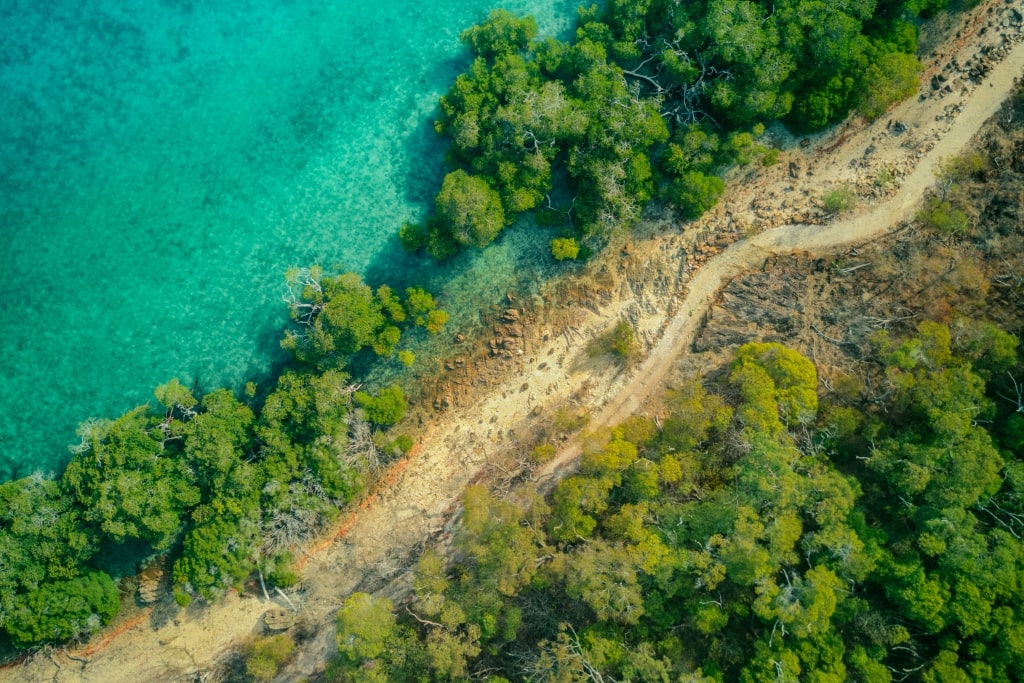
163, 163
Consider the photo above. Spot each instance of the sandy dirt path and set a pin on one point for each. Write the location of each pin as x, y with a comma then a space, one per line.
372, 548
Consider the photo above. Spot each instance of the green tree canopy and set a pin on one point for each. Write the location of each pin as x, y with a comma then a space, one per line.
63, 609
129, 480
469, 209
339, 316
386, 408
502, 33
44, 547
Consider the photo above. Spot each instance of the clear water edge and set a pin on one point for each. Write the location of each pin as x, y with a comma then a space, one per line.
162, 165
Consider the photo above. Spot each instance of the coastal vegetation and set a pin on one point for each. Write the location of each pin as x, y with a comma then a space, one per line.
649, 99
753, 534
227, 486
340, 316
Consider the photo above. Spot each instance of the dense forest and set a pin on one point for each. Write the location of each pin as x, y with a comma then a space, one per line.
228, 485
649, 99
750, 535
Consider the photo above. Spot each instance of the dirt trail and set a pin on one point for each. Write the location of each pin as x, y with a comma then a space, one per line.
166, 645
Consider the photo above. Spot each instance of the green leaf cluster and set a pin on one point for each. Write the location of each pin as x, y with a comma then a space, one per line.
46, 591
386, 408
565, 248
265, 656
338, 316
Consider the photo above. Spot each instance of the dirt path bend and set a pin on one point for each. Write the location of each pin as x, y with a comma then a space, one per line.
167, 645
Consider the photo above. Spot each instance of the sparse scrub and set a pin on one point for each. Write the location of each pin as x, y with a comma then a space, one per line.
436, 320
570, 420
623, 340
264, 657
944, 218
620, 340
542, 453
839, 200
412, 236
403, 442
959, 168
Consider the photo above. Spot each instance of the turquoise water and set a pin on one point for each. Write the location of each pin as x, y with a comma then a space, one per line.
163, 163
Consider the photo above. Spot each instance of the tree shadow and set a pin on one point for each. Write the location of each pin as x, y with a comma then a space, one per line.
165, 610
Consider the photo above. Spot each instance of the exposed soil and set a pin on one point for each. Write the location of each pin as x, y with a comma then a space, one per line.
831, 308
496, 397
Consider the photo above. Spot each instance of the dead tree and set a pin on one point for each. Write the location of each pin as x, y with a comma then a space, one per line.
361, 451
1018, 388
305, 294
288, 529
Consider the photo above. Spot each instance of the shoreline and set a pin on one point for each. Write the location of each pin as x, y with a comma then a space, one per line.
460, 444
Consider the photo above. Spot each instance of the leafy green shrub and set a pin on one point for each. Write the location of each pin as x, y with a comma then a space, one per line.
418, 302
620, 341
502, 33
264, 657
958, 168
470, 209
694, 192
440, 243
412, 236
565, 248
943, 217
436, 320
365, 626
282, 572
59, 610
422, 310
569, 420
183, 598
542, 453
403, 442
839, 200
387, 408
